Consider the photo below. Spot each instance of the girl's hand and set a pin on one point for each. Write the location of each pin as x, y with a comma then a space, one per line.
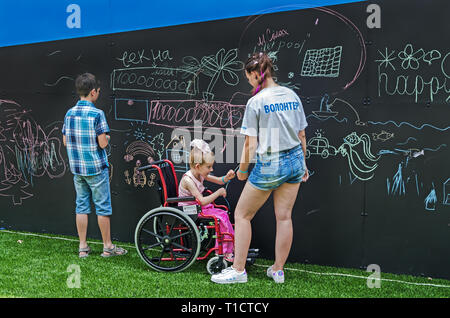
230, 175
222, 192
305, 176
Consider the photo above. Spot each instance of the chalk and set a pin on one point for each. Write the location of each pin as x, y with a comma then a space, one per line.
317, 21
417, 154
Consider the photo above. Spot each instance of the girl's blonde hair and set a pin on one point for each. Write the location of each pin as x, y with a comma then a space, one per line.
200, 153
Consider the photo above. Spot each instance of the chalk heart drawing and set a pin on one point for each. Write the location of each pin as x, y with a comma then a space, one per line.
27, 151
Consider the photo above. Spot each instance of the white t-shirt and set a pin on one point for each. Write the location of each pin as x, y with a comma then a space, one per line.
276, 116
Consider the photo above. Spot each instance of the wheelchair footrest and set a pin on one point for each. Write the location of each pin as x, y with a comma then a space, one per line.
253, 253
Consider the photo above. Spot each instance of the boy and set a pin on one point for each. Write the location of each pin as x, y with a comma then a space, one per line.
85, 137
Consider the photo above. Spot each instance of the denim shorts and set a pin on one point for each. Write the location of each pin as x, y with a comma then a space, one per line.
95, 188
272, 170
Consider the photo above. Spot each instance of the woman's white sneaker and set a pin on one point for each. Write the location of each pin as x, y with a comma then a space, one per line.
230, 276
277, 276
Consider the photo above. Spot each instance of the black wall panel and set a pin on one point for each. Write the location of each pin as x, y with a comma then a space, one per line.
376, 100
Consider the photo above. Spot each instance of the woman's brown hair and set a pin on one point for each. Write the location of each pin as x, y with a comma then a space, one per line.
261, 63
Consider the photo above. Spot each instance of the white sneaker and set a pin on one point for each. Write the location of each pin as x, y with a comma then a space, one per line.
229, 276
277, 276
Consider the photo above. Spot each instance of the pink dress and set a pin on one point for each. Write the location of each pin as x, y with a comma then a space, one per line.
209, 210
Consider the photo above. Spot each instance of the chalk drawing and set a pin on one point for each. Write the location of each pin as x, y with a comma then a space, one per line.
357, 166
322, 62
431, 200
27, 151
446, 192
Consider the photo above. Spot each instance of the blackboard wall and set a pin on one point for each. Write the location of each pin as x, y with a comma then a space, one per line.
376, 99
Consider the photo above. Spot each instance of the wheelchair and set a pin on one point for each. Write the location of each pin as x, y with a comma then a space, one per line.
170, 238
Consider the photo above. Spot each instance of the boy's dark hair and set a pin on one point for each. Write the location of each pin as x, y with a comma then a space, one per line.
85, 83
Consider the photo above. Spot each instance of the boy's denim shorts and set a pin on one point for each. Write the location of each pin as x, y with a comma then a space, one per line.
272, 170
95, 188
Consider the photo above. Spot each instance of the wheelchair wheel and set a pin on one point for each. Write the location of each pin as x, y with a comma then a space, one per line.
167, 240
216, 265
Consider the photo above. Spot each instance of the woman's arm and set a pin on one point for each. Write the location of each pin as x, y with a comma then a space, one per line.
302, 137
250, 145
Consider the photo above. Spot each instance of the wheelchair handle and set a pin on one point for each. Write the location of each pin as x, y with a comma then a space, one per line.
151, 165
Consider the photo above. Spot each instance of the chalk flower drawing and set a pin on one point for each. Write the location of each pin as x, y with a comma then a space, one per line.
222, 65
409, 58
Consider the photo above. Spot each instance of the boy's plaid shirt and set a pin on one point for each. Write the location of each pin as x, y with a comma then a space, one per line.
82, 124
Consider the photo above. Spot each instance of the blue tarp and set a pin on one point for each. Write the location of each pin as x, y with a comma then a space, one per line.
30, 21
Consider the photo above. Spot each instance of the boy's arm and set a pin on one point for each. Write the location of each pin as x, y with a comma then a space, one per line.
64, 140
103, 140
102, 130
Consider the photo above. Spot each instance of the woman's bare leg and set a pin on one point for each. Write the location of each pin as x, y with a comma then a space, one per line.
249, 203
284, 199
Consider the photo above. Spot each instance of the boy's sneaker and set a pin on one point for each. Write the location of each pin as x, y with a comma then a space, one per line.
277, 276
229, 276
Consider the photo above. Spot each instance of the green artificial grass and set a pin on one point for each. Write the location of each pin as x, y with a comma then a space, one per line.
37, 267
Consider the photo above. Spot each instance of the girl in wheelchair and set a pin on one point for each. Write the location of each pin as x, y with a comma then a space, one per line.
201, 161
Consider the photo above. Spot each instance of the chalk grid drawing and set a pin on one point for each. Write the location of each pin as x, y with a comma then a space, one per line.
324, 62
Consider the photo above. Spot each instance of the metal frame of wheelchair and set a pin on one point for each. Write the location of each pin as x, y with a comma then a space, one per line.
170, 238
